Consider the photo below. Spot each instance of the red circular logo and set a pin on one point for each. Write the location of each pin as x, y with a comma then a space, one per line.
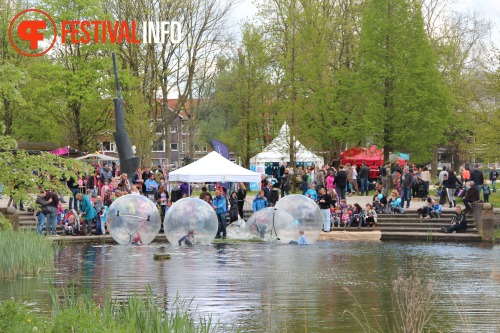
29, 30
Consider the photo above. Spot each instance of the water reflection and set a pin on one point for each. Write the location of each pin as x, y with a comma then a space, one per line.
266, 287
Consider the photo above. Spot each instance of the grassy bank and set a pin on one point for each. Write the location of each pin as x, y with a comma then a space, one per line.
83, 315
24, 253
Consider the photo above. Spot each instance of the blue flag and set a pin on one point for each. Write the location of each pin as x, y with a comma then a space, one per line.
223, 151
220, 148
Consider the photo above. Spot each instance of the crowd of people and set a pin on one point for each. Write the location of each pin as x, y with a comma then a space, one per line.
94, 192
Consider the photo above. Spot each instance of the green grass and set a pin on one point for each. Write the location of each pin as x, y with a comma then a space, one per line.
83, 315
24, 253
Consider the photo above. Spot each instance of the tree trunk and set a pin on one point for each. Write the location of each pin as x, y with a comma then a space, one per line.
7, 116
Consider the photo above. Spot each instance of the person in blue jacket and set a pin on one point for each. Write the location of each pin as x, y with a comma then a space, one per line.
220, 207
89, 210
259, 202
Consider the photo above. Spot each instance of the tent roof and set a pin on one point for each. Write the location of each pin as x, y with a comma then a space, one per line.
278, 150
371, 156
100, 157
213, 168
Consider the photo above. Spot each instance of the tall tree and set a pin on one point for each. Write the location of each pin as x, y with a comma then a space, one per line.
401, 93
242, 96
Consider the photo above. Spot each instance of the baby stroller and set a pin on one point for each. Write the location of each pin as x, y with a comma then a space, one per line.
71, 223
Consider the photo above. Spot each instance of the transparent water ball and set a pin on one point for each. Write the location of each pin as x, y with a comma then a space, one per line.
133, 220
190, 214
273, 225
306, 214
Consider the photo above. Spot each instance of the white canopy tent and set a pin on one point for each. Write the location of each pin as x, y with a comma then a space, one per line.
98, 157
213, 168
279, 151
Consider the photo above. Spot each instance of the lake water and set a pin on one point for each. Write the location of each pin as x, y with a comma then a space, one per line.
260, 287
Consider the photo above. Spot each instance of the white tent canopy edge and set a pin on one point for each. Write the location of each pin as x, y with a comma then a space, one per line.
213, 168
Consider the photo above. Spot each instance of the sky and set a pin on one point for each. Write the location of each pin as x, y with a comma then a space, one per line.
489, 9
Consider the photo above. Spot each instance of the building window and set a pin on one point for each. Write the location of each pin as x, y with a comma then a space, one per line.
158, 146
173, 147
185, 130
108, 146
184, 147
200, 148
158, 128
174, 129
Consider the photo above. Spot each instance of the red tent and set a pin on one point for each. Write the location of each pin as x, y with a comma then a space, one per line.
373, 156
352, 152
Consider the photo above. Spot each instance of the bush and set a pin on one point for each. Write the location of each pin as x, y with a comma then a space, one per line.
4, 223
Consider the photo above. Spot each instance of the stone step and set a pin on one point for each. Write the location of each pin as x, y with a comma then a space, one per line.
430, 236
419, 224
419, 220
399, 229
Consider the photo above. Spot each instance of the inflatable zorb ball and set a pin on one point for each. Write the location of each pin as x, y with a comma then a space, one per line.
273, 225
190, 214
133, 220
306, 214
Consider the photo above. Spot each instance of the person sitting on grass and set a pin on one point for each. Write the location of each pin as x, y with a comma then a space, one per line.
458, 221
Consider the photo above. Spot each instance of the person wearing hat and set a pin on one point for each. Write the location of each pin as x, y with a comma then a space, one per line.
285, 183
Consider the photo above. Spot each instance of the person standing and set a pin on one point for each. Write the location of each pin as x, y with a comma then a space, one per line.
406, 184
386, 181
146, 174
285, 183
219, 205
441, 175
241, 195
340, 182
364, 175
41, 212
319, 178
451, 187
106, 173
477, 177
89, 211
324, 202
53, 198
426, 178
465, 174
259, 202
185, 190
268, 193
233, 210
137, 179
304, 184
151, 186
493, 178
73, 187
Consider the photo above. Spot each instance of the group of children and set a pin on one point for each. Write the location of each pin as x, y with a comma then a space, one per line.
346, 215
71, 219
